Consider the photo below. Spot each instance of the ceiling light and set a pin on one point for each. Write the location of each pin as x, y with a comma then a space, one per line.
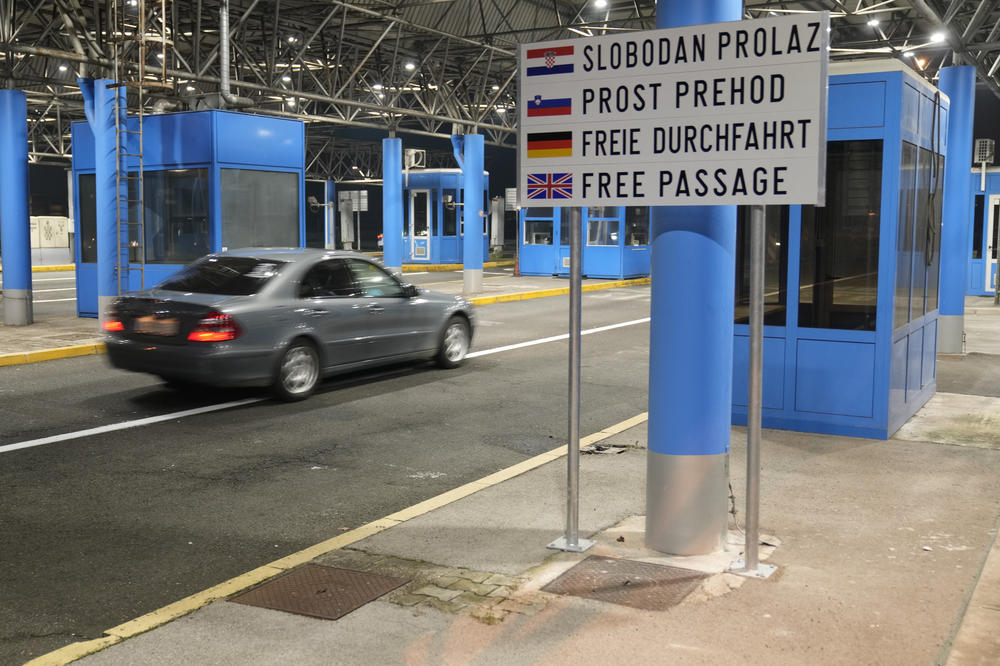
921, 62
409, 66
159, 56
190, 88
290, 101
600, 4
872, 22
286, 78
292, 39
501, 110
937, 37
63, 68
381, 95
496, 87
376, 86
908, 54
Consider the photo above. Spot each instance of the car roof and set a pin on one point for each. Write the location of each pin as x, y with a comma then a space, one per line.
290, 254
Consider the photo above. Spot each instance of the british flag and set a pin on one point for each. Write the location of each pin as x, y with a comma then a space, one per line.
550, 186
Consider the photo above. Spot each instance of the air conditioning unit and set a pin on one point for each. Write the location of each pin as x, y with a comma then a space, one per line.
985, 151
414, 158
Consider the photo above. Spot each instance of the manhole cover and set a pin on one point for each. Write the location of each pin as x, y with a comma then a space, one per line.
319, 591
627, 583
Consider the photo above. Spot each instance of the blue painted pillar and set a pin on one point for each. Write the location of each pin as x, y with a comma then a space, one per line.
690, 353
15, 234
959, 84
392, 203
99, 105
472, 214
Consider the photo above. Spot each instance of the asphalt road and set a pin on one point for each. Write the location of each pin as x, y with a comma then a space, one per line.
99, 529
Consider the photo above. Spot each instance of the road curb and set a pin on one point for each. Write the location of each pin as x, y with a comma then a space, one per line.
21, 358
435, 268
51, 269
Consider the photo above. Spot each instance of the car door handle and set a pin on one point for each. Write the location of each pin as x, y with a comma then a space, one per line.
314, 312
375, 309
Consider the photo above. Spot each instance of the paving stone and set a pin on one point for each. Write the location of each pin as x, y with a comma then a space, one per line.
438, 592
446, 606
476, 576
500, 579
502, 591
406, 599
468, 586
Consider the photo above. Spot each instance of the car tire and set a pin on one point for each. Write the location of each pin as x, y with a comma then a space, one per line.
454, 344
298, 371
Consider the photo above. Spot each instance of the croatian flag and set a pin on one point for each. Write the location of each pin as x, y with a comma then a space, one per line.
539, 106
549, 60
550, 186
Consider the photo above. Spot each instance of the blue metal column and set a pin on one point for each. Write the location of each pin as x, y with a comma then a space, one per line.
392, 203
15, 234
472, 214
690, 353
99, 105
959, 84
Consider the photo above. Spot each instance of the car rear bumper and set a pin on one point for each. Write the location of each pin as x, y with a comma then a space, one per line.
216, 364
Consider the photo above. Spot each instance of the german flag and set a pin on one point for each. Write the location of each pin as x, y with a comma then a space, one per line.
550, 144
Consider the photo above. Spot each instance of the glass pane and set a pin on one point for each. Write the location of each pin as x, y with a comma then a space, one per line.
316, 215
839, 258
175, 215
259, 208
602, 211
904, 237
775, 265
538, 232
538, 211
419, 219
934, 233
920, 234
978, 222
449, 223
602, 232
637, 225
996, 229
87, 233
564, 229
229, 276
373, 281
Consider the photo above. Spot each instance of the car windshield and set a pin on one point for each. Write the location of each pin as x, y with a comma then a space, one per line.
229, 276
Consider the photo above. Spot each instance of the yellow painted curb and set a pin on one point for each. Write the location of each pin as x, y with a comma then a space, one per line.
50, 269
433, 268
20, 358
559, 291
230, 587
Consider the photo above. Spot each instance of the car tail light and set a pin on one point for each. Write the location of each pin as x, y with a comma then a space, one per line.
113, 325
215, 327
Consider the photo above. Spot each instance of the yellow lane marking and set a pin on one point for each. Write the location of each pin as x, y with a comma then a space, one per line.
230, 587
20, 358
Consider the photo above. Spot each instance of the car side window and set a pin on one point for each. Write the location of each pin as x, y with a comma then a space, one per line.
374, 281
328, 279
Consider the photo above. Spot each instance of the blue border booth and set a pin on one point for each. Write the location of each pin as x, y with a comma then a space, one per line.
212, 180
851, 288
616, 241
433, 216
985, 231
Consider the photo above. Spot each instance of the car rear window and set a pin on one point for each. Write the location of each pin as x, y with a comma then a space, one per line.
229, 276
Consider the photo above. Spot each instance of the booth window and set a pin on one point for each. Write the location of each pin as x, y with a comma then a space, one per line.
175, 219
87, 236
775, 265
449, 219
538, 232
927, 233
602, 232
420, 219
260, 208
637, 225
839, 253
932, 236
904, 234
978, 220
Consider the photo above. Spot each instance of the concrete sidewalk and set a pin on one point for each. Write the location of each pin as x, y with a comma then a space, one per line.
886, 553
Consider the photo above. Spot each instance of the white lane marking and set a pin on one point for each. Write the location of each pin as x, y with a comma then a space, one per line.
54, 300
42, 291
555, 338
417, 273
124, 425
34, 280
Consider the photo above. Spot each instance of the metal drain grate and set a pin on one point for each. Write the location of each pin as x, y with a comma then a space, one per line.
318, 591
627, 583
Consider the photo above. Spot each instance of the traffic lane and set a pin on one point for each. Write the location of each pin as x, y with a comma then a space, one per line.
53, 293
103, 529
47, 399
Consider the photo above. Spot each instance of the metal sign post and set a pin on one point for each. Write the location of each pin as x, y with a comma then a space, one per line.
571, 541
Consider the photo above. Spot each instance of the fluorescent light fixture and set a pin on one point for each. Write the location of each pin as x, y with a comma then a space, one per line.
292, 39
286, 78
409, 66
190, 88
908, 54
290, 101
872, 22
381, 95
600, 4
376, 86
501, 110
496, 87
159, 56
937, 37
63, 68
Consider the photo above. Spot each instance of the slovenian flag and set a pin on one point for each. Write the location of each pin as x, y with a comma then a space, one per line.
550, 186
549, 60
549, 107
550, 144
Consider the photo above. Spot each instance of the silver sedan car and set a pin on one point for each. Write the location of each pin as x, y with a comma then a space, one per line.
283, 318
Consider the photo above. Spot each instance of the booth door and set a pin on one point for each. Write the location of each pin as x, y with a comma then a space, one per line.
992, 228
420, 225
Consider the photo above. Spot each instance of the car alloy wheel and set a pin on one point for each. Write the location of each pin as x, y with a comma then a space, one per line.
454, 343
298, 371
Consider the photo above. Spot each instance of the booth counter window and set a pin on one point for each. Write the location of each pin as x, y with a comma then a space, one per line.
175, 215
259, 208
637, 225
775, 265
538, 226
449, 216
87, 238
838, 281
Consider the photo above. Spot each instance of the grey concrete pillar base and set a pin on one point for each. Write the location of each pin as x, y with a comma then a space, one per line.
103, 306
472, 280
951, 329
686, 503
17, 307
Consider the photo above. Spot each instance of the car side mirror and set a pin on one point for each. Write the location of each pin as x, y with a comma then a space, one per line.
410, 291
